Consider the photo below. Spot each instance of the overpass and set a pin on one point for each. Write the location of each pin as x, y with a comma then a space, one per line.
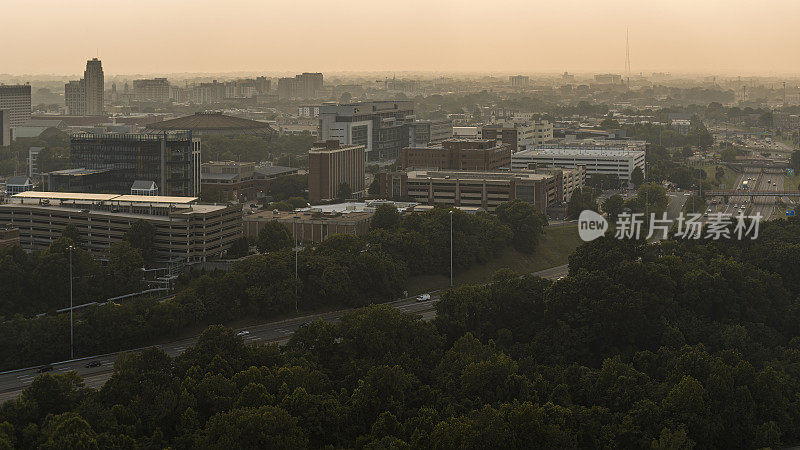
729, 193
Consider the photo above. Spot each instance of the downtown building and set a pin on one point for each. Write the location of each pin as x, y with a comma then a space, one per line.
331, 164
113, 162
16, 101
458, 154
151, 90
185, 230
519, 135
84, 97
305, 85
382, 127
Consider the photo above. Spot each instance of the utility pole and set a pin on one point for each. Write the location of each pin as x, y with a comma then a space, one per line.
451, 248
295, 264
71, 335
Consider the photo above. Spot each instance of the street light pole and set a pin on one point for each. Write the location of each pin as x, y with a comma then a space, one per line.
451, 248
295, 266
71, 335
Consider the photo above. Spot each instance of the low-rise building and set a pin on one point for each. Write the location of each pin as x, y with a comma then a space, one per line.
458, 154
185, 230
619, 161
472, 189
310, 226
682, 126
17, 184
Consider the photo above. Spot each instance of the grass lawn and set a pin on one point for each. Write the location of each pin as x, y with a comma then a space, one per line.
554, 249
729, 179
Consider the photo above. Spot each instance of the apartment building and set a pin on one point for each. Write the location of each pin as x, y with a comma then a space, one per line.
185, 230
151, 90
330, 164
16, 99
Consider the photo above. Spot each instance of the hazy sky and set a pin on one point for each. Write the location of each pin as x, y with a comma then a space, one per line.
163, 36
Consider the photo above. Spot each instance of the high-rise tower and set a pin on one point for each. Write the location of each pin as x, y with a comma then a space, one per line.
94, 85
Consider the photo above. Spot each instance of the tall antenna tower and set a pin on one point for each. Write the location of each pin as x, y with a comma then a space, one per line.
627, 58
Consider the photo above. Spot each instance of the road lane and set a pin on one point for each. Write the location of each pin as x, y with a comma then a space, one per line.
278, 332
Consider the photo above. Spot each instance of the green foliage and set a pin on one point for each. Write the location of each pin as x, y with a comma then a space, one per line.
582, 199
386, 217
140, 236
637, 176
273, 236
676, 344
285, 187
613, 206
525, 222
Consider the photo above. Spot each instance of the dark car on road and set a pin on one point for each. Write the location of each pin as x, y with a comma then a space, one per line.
44, 369
94, 364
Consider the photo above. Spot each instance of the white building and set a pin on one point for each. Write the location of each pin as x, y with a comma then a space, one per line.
612, 160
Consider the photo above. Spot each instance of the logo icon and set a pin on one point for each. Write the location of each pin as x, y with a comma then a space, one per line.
591, 225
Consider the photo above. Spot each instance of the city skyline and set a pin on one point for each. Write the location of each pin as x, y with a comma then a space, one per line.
576, 36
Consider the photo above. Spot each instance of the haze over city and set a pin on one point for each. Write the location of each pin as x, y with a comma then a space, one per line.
178, 36
352, 224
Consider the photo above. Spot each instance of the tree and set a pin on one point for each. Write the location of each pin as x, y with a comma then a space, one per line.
141, 235
794, 162
386, 217
525, 222
263, 427
637, 176
71, 231
613, 206
582, 198
344, 191
273, 236
240, 247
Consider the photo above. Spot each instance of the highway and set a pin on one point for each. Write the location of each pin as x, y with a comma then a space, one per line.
279, 332
761, 205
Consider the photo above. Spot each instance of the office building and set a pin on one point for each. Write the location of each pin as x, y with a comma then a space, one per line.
185, 230
425, 132
75, 98
152, 90
5, 128
305, 85
84, 97
310, 111
95, 86
33, 161
458, 154
617, 160
519, 135
519, 81
170, 159
486, 190
231, 180
310, 226
16, 100
382, 127
330, 165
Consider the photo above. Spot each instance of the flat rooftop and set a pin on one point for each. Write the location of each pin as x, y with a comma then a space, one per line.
81, 196
470, 175
578, 151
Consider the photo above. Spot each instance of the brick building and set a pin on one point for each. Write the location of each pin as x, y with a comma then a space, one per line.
458, 154
331, 164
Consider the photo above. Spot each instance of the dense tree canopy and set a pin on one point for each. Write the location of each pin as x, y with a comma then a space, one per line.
674, 344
